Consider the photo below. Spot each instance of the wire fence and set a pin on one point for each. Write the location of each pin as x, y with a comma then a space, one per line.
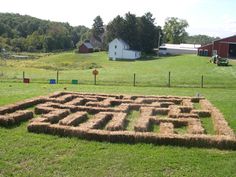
168, 79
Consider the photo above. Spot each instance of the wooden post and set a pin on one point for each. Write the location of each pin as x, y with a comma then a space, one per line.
202, 82
134, 79
23, 75
169, 79
57, 77
95, 79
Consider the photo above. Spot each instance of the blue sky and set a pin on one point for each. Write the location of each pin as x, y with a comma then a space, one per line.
211, 17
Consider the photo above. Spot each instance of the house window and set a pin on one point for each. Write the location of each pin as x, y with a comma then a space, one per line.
115, 46
114, 53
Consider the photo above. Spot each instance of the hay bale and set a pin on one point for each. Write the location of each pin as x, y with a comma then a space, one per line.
174, 112
205, 104
76, 102
195, 127
6, 121
185, 109
161, 111
97, 122
196, 99
187, 115
166, 128
22, 116
166, 104
187, 102
38, 127
74, 119
43, 110
202, 113
117, 122
142, 124
55, 116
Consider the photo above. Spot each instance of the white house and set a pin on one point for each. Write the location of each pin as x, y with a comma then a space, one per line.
119, 49
178, 49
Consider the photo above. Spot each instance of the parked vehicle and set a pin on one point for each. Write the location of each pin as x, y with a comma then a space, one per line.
216, 59
222, 62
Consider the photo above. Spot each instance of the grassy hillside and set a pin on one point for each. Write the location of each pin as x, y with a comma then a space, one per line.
29, 154
186, 70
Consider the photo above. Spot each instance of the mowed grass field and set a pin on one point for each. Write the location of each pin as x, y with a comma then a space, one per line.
29, 154
186, 70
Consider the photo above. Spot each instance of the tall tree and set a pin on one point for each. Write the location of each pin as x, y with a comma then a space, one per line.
131, 35
148, 33
115, 29
174, 30
98, 28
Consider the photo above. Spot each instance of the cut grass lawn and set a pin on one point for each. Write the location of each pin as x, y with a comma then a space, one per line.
186, 70
29, 154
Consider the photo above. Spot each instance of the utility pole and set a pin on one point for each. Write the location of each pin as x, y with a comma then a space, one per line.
158, 44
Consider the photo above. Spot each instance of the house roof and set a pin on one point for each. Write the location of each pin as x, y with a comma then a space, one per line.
121, 41
88, 45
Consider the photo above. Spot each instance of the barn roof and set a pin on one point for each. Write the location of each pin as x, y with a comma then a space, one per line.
88, 45
234, 36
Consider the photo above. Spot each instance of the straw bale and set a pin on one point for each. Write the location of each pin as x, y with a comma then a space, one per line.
161, 111
201, 113
55, 116
74, 119
174, 112
187, 115
195, 127
43, 110
38, 127
117, 122
185, 109
76, 102
187, 102
166, 128
97, 122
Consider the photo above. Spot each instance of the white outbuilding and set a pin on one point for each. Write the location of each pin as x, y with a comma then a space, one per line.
119, 49
176, 49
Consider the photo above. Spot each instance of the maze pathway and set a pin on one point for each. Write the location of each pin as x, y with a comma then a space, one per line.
172, 120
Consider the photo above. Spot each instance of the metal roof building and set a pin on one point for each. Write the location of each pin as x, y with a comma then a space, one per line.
225, 47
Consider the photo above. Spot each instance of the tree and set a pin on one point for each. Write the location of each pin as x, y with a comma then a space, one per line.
148, 33
174, 30
140, 33
98, 28
200, 39
131, 35
115, 29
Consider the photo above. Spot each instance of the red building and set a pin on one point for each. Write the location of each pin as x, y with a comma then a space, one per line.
86, 47
223, 47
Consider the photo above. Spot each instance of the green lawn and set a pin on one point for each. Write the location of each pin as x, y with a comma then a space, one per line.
29, 154
186, 70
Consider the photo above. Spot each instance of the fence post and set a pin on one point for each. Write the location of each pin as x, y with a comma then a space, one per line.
134, 79
202, 82
95, 79
57, 77
169, 79
23, 75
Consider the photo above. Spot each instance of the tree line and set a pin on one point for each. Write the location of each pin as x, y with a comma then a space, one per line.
25, 33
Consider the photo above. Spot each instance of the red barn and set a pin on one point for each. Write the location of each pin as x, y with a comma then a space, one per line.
86, 47
223, 47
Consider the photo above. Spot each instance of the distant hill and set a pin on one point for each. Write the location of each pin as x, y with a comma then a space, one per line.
26, 33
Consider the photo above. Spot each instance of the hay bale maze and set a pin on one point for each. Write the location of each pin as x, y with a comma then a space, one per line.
164, 120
